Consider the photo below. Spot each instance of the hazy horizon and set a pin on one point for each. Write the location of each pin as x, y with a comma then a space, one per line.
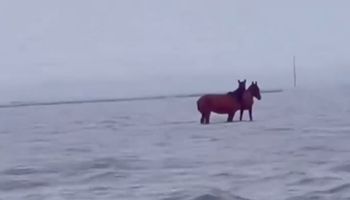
53, 49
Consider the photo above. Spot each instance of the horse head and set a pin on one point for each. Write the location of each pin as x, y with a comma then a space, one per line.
255, 90
241, 84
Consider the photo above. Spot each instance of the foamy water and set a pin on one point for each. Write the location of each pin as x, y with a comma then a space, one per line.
157, 150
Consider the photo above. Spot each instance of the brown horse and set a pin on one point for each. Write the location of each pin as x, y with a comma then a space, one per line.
223, 105
227, 104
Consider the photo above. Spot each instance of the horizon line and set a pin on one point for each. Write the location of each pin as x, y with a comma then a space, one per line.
110, 100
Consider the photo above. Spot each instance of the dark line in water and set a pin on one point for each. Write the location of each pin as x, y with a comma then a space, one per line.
53, 103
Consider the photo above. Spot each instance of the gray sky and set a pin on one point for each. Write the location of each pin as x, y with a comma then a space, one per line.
90, 48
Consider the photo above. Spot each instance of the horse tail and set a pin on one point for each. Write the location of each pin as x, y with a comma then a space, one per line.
202, 104
198, 104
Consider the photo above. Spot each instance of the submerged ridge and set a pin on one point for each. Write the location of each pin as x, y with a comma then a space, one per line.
111, 100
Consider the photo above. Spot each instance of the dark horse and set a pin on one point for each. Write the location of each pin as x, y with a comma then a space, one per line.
238, 93
248, 99
227, 104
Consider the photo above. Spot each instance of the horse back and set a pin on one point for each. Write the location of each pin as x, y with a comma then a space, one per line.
217, 103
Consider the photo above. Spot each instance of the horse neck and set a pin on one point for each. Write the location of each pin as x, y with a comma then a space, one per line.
249, 92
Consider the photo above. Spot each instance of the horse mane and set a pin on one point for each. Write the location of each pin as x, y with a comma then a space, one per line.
233, 93
238, 93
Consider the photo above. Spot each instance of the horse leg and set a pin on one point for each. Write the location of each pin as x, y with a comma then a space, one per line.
207, 118
250, 114
241, 115
202, 119
230, 117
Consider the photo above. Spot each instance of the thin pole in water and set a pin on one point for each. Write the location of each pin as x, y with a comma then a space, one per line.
294, 72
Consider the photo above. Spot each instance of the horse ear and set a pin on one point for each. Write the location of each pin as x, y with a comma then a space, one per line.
239, 81
256, 82
245, 80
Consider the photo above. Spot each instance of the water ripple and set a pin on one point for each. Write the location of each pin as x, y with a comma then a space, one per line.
10, 185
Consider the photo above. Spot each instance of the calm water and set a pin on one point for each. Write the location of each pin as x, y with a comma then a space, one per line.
297, 148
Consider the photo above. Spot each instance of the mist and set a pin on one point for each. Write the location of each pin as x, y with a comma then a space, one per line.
92, 49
